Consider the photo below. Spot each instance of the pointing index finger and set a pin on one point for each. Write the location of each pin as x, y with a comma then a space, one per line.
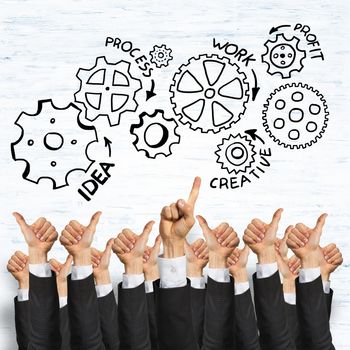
194, 191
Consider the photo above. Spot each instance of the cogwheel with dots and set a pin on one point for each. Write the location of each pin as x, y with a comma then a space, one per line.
53, 143
283, 56
107, 89
235, 154
209, 93
295, 115
155, 134
161, 56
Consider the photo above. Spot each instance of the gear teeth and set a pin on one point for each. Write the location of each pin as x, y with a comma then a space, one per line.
161, 56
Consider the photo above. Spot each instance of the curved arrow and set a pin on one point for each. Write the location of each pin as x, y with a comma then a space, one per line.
108, 145
256, 88
254, 136
275, 29
150, 93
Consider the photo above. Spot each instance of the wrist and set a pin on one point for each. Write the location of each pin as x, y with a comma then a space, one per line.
325, 276
240, 275
62, 289
151, 274
102, 277
134, 267
194, 271
311, 260
267, 256
82, 257
217, 261
173, 248
289, 285
23, 283
37, 256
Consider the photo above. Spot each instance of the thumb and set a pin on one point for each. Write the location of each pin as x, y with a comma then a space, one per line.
108, 251
187, 248
20, 220
276, 217
245, 250
94, 220
287, 232
203, 224
69, 260
157, 244
147, 230
320, 222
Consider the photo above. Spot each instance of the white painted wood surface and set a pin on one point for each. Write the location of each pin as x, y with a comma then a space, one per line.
43, 43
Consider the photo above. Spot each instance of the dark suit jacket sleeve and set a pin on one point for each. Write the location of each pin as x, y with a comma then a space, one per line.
108, 311
198, 310
152, 320
64, 328
246, 328
313, 315
219, 316
84, 315
271, 313
293, 325
174, 320
22, 323
329, 298
133, 318
43, 313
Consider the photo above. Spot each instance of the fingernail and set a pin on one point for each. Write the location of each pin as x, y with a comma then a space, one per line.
223, 244
41, 238
23, 265
196, 253
259, 239
79, 238
131, 246
219, 240
75, 241
38, 236
181, 203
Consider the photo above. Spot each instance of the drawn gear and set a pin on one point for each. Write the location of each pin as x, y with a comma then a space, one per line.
51, 140
209, 93
150, 123
236, 154
295, 115
283, 56
161, 56
107, 89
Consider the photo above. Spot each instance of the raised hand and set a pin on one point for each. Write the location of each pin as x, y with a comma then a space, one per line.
131, 254
150, 256
281, 243
261, 237
18, 267
305, 241
40, 237
331, 259
176, 222
62, 271
219, 251
197, 256
237, 263
100, 263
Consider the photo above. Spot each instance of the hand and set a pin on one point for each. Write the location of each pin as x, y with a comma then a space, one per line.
237, 263
281, 244
100, 263
62, 271
18, 267
131, 254
289, 268
219, 252
176, 221
331, 259
261, 237
77, 239
197, 256
304, 242
150, 258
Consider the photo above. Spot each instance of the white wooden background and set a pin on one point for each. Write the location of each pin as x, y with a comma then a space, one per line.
43, 43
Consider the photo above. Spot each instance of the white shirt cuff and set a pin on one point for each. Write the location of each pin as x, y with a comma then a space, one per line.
132, 281
22, 295
81, 272
40, 270
103, 289
197, 282
63, 301
266, 270
309, 275
326, 286
149, 286
219, 275
172, 272
290, 298
241, 287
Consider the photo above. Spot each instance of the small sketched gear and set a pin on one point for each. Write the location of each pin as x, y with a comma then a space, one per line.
51, 139
155, 134
107, 89
161, 56
236, 154
295, 115
283, 56
209, 93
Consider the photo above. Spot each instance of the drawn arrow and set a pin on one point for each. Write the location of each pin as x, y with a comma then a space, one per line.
108, 144
275, 29
256, 88
150, 93
254, 136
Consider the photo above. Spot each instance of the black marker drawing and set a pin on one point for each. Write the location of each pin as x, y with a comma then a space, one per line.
252, 133
49, 138
209, 93
150, 93
108, 144
295, 115
255, 88
108, 89
283, 56
275, 29
161, 56
155, 134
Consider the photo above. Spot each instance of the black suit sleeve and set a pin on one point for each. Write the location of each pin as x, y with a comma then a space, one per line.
152, 320
174, 320
133, 318
22, 323
43, 313
313, 315
271, 313
329, 298
84, 315
108, 311
198, 311
246, 329
219, 316
64, 328
293, 325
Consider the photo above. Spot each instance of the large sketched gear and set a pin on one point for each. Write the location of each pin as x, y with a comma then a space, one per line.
236, 154
155, 134
209, 93
108, 89
161, 56
283, 56
295, 115
53, 143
